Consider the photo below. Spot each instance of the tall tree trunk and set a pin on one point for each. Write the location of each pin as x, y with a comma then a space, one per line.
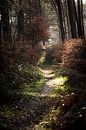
58, 2
80, 18
5, 28
72, 18
83, 33
0, 27
20, 21
39, 5
20, 24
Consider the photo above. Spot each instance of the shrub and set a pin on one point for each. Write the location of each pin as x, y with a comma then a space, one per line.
26, 54
73, 55
18, 64
21, 52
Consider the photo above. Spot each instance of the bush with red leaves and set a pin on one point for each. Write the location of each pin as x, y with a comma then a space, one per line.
73, 55
73, 111
26, 54
22, 52
37, 30
17, 61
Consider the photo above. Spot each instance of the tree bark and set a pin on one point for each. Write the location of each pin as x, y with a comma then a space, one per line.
58, 3
72, 18
5, 26
80, 18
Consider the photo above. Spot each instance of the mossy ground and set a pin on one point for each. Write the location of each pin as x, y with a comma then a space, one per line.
39, 104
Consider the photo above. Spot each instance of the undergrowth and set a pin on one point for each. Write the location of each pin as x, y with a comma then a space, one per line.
32, 83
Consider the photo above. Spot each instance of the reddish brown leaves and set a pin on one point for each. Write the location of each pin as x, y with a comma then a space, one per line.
73, 55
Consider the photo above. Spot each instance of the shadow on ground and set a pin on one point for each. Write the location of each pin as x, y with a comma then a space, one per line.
19, 112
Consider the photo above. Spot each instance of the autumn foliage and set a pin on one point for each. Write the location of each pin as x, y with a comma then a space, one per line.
21, 52
37, 30
18, 64
73, 55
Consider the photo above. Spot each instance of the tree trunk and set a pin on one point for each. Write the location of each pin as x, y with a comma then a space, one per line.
72, 18
5, 27
60, 19
20, 21
80, 18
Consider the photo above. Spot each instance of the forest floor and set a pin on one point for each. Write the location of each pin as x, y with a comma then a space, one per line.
41, 108
31, 112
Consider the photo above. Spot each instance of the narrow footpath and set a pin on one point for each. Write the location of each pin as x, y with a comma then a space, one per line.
29, 112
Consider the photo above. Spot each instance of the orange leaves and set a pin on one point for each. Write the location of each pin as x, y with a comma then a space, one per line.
26, 53
38, 29
18, 64
22, 52
73, 55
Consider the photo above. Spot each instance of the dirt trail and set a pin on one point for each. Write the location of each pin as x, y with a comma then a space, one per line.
29, 110
40, 105
49, 77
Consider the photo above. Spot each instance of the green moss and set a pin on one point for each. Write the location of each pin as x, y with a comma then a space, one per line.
34, 88
10, 111
59, 86
6, 112
49, 120
39, 127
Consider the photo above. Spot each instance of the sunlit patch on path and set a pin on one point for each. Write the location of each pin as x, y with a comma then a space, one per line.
51, 82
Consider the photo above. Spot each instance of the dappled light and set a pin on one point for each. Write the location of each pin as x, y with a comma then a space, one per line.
48, 119
43, 65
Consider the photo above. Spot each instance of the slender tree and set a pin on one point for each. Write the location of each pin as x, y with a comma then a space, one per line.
80, 18
72, 18
60, 15
5, 26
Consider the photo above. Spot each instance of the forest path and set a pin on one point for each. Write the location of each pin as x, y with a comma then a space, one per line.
50, 82
39, 106
26, 112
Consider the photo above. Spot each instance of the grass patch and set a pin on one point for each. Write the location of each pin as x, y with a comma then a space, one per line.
58, 86
34, 87
31, 87
9, 112
48, 120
